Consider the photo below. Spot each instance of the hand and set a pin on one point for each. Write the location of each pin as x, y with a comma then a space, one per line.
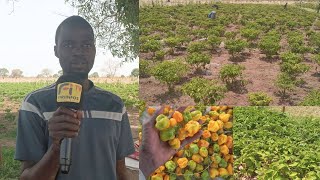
154, 152
64, 124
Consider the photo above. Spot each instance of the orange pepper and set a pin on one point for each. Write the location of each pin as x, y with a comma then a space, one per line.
173, 122
224, 117
166, 110
223, 172
214, 136
223, 108
177, 116
197, 158
179, 153
182, 134
179, 171
206, 134
229, 142
224, 149
166, 177
182, 162
213, 126
227, 125
230, 169
215, 108
160, 169
213, 172
203, 143
175, 143
151, 110
230, 111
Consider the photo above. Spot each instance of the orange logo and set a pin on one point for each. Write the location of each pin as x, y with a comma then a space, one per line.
69, 92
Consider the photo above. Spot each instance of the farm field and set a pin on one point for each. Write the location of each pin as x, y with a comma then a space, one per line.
11, 96
249, 54
269, 144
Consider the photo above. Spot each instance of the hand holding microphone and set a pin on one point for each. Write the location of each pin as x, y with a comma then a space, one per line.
65, 122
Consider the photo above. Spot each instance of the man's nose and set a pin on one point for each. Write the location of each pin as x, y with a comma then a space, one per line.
78, 50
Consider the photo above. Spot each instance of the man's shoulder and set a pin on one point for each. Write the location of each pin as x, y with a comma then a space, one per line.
107, 94
41, 94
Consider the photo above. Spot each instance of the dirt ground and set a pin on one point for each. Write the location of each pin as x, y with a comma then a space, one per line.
259, 73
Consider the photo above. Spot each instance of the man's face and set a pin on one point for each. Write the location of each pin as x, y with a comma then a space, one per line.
75, 49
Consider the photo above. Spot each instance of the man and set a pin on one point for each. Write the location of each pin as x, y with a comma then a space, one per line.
101, 131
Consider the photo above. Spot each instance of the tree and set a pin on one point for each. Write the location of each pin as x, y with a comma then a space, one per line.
94, 75
45, 73
16, 73
4, 72
115, 24
111, 67
135, 72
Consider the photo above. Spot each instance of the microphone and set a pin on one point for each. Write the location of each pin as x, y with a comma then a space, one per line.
68, 95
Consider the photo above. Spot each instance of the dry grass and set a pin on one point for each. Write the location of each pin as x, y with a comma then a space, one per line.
124, 80
300, 111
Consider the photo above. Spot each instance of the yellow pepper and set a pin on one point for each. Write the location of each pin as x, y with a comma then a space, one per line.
182, 162
197, 158
223, 172
166, 110
230, 111
157, 177
213, 126
224, 117
206, 134
220, 123
182, 134
203, 152
224, 149
222, 139
214, 115
215, 108
203, 143
175, 143
192, 127
213, 172
230, 169
196, 115
160, 169
223, 108
177, 116
214, 136
227, 125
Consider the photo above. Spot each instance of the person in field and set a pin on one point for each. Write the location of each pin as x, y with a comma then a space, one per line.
101, 131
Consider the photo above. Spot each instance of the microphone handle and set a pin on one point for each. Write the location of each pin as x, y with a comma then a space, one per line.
65, 155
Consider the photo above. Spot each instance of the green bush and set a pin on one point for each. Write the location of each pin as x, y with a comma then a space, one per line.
159, 55
198, 59
204, 91
196, 47
284, 83
316, 59
269, 45
150, 46
250, 34
172, 42
235, 46
214, 41
144, 68
259, 99
312, 99
169, 72
230, 72
291, 64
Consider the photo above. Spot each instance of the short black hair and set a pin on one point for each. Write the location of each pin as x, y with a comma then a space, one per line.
77, 21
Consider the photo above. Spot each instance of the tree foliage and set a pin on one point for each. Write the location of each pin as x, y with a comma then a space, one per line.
4, 72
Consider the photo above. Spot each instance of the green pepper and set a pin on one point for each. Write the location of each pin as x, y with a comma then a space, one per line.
199, 168
167, 134
216, 148
203, 152
187, 153
162, 122
205, 175
187, 175
194, 149
196, 115
172, 177
206, 161
223, 163
187, 116
170, 165
192, 165
217, 158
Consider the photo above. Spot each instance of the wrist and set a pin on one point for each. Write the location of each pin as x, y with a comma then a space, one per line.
146, 164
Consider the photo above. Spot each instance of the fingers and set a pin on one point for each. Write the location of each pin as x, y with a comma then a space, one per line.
190, 139
63, 110
64, 119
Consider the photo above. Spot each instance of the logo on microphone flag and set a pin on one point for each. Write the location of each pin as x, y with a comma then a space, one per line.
69, 92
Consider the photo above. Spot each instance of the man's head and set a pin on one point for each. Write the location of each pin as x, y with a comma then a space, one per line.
75, 46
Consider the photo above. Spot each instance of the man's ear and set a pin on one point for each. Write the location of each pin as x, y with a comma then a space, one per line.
56, 51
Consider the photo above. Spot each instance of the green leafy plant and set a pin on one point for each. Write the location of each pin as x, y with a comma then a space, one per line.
172, 42
159, 55
285, 83
312, 99
316, 59
230, 72
198, 60
144, 68
291, 64
150, 46
235, 46
259, 99
204, 91
196, 47
169, 72
214, 41
269, 45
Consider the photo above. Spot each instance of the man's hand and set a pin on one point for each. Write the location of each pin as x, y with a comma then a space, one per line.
64, 124
154, 152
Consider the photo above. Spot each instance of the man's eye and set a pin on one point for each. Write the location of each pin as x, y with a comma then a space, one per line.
67, 45
87, 45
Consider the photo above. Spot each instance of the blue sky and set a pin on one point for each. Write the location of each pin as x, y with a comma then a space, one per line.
27, 37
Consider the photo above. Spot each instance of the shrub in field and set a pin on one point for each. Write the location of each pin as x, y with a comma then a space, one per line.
284, 83
200, 33
269, 45
291, 64
214, 41
259, 99
198, 60
150, 46
250, 34
204, 91
316, 59
159, 55
169, 72
144, 68
172, 42
312, 99
236, 46
230, 35
196, 47
296, 42
230, 72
